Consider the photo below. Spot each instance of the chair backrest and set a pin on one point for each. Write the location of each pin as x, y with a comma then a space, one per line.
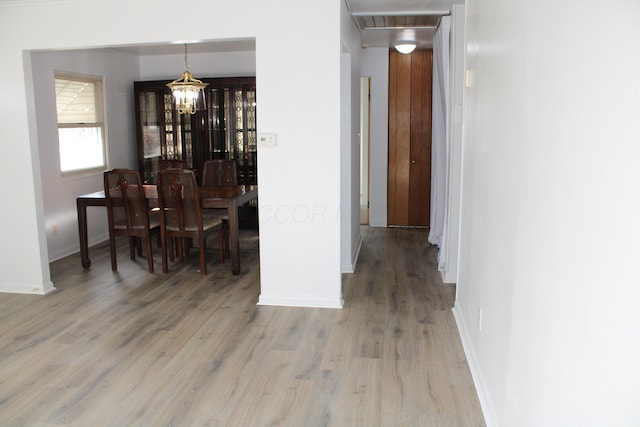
219, 172
178, 200
125, 200
171, 164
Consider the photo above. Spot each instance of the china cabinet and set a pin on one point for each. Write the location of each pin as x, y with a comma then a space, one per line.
224, 127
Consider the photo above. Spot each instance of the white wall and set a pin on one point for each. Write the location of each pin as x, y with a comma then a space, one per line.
375, 64
299, 99
350, 145
220, 64
448, 255
299, 199
59, 194
550, 208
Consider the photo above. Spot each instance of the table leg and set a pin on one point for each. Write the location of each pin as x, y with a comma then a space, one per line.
82, 232
234, 241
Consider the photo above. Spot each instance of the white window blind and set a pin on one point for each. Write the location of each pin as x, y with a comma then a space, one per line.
80, 123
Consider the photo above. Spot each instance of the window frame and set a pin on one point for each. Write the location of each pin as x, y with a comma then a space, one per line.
100, 123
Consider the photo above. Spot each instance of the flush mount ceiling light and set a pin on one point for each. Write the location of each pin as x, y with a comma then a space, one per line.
405, 41
405, 46
186, 90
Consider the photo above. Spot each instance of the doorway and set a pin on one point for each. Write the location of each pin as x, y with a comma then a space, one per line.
409, 161
365, 99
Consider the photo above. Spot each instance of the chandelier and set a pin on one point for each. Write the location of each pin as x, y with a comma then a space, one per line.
186, 89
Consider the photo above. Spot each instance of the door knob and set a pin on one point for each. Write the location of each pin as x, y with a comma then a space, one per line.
413, 162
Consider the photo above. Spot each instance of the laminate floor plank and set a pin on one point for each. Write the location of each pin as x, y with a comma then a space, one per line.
129, 348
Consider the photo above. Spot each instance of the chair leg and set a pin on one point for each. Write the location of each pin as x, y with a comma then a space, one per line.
149, 254
172, 252
221, 246
203, 259
227, 246
163, 245
179, 249
132, 251
225, 237
112, 250
188, 244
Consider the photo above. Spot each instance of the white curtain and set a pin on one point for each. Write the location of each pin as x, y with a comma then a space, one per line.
440, 133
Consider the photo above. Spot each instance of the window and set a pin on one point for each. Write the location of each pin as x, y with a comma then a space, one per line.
80, 123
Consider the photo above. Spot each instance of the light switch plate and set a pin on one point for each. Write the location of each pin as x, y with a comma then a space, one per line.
267, 140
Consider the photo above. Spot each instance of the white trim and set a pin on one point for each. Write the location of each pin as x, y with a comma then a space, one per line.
476, 373
300, 301
450, 250
365, 83
377, 223
43, 289
99, 121
351, 267
74, 248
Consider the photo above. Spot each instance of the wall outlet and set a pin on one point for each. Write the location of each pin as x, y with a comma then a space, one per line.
54, 229
480, 320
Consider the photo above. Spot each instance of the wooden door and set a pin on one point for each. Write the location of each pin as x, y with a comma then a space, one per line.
409, 180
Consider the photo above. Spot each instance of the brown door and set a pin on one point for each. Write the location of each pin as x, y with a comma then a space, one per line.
409, 182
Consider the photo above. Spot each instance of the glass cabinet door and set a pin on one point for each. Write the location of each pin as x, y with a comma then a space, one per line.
245, 138
152, 141
232, 127
162, 132
217, 125
251, 137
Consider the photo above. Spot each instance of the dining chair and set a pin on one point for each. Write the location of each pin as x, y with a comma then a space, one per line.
128, 213
181, 215
219, 172
171, 164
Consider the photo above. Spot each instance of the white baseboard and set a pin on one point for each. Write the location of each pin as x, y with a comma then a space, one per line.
12, 288
63, 253
300, 301
448, 277
350, 268
75, 248
476, 373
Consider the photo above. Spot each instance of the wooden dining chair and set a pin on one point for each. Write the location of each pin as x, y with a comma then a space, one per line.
219, 172
181, 215
128, 213
171, 164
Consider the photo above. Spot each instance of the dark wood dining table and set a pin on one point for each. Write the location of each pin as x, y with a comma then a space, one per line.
216, 197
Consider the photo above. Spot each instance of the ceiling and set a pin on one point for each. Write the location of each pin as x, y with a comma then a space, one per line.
393, 17
228, 45
386, 15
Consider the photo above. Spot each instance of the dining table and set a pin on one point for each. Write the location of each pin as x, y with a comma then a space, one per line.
228, 197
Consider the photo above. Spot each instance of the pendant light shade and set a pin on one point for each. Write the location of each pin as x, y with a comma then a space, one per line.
187, 89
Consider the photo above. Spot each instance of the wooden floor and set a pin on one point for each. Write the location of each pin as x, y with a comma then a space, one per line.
138, 349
